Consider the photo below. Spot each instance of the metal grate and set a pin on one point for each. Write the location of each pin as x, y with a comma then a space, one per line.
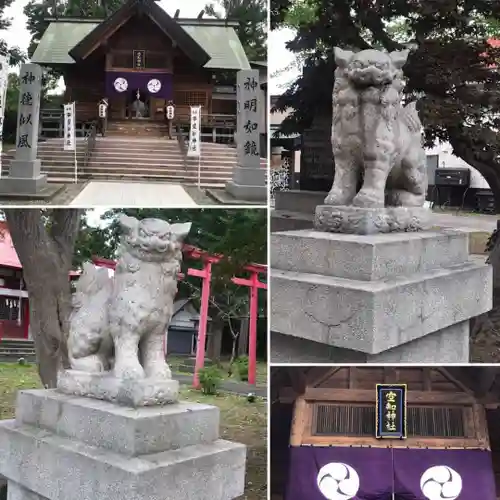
332, 420
438, 422
423, 421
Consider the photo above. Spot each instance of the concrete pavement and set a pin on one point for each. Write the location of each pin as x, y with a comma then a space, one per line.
133, 194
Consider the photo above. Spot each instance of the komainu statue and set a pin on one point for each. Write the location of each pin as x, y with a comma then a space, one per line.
377, 142
119, 323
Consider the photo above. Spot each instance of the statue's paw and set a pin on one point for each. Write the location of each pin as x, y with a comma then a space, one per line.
368, 199
158, 371
128, 371
335, 198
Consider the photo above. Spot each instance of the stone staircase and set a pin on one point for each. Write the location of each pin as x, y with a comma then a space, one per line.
13, 349
135, 158
136, 128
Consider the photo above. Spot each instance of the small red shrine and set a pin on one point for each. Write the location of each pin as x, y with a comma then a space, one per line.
14, 303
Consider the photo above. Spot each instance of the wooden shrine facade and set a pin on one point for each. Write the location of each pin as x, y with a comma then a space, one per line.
141, 50
339, 409
454, 408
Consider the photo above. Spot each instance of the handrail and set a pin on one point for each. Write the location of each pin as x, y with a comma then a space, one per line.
89, 143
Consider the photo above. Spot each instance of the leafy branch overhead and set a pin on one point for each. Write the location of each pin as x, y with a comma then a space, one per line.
239, 235
451, 70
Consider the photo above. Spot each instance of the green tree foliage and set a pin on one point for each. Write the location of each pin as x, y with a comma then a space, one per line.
38, 11
252, 18
16, 54
451, 70
239, 235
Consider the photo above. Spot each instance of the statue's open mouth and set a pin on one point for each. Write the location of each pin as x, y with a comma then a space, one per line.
154, 247
370, 77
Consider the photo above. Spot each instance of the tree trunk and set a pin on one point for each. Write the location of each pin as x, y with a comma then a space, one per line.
216, 344
244, 332
233, 350
46, 257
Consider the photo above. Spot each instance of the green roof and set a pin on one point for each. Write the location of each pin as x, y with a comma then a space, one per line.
220, 42
59, 38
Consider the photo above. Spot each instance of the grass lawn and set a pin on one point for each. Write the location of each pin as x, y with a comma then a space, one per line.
175, 363
241, 421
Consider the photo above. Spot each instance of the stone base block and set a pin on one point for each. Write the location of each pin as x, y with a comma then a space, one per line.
127, 392
356, 220
122, 430
17, 492
367, 258
401, 297
449, 345
25, 169
247, 192
59, 468
24, 186
69, 448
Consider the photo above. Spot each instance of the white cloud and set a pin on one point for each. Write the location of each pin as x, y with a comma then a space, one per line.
279, 59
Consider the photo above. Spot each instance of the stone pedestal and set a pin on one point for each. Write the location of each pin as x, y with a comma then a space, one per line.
63, 447
25, 176
248, 184
400, 297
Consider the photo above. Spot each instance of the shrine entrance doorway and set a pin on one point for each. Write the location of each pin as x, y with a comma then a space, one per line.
138, 105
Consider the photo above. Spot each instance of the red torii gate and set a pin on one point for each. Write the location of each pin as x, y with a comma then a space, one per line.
253, 284
206, 275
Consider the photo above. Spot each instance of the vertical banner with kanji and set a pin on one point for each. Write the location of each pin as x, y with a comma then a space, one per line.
69, 127
30, 88
247, 119
194, 147
391, 411
4, 82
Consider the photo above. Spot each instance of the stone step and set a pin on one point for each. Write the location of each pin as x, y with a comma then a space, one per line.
15, 353
60, 177
157, 162
152, 153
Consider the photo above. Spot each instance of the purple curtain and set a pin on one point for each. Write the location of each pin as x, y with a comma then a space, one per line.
139, 80
443, 475
316, 473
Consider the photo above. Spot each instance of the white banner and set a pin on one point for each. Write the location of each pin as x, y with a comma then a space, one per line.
4, 82
69, 127
194, 148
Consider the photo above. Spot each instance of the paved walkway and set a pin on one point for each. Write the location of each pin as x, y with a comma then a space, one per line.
487, 223
133, 194
240, 388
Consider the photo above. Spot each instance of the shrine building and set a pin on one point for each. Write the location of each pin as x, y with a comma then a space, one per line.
385, 433
142, 53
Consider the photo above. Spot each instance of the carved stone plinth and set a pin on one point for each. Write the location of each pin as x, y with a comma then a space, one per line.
356, 220
125, 392
63, 447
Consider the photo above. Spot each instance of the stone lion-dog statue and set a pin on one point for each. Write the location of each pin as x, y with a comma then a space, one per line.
119, 323
376, 141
